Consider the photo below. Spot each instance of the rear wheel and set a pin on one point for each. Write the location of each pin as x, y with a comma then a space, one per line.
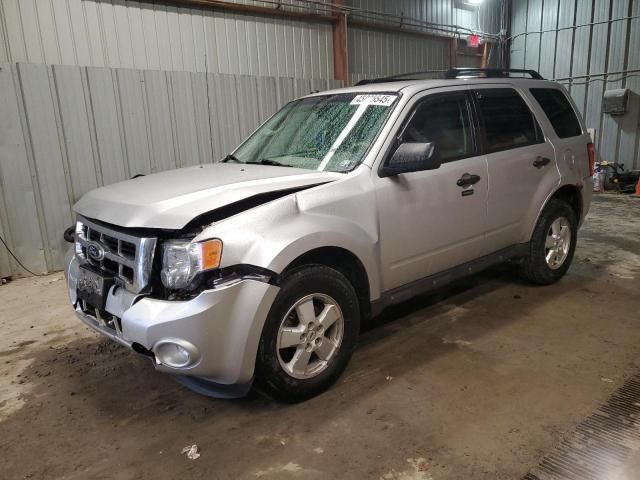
309, 334
552, 244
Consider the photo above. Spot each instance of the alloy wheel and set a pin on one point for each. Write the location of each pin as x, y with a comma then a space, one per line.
310, 336
557, 243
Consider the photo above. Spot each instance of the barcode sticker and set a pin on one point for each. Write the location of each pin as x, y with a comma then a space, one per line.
372, 99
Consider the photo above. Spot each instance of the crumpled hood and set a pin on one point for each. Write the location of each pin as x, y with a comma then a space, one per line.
173, 198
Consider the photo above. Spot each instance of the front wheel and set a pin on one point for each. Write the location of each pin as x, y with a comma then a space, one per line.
553, 244
309, 334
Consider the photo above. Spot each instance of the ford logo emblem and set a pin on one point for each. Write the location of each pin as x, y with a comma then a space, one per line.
95, 251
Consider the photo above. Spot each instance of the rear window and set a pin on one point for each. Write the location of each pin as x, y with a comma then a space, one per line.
508, 122
559, 111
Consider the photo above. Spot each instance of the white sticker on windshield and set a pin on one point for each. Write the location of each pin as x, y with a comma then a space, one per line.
371, 99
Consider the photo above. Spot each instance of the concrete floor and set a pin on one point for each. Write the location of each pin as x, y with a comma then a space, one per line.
476, 382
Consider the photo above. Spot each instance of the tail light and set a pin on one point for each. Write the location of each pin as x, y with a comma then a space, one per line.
591, 152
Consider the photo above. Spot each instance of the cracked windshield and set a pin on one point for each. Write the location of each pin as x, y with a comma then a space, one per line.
331, 132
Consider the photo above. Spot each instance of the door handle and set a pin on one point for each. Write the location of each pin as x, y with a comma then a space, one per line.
468, 179
541, 162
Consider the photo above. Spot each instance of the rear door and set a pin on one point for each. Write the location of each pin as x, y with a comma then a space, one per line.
520, 160
432, 220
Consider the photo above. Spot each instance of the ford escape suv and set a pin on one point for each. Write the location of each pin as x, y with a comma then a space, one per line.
263, 265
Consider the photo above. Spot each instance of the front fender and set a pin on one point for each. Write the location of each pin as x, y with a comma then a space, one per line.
275, 234
350, 241
289, 240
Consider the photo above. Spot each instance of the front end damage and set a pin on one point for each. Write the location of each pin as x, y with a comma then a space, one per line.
208, 342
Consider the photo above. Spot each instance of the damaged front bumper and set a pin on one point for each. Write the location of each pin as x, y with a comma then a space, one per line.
209, 342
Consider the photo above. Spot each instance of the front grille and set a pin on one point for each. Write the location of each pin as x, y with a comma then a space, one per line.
115, 253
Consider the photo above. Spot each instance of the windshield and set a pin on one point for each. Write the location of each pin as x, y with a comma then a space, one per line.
330, 132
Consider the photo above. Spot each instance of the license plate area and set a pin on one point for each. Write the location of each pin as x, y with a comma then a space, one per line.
93, 288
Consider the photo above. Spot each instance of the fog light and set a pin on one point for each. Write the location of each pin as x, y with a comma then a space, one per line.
175, 353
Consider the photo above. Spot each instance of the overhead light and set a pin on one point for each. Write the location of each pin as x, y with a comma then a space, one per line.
475, 3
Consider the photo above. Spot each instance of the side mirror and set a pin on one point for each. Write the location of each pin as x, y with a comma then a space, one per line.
411, 157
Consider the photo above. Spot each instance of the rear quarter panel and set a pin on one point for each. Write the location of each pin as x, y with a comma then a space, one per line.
572, 162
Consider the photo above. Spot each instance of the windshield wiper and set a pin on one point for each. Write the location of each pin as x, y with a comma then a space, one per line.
266, 161
295, 154
231, 157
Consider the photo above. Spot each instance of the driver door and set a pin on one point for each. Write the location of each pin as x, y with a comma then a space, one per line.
428, 222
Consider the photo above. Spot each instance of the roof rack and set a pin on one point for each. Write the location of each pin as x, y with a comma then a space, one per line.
400, 77
463, 72
489, 73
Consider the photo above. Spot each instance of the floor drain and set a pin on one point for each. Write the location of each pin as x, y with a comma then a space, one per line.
600, 446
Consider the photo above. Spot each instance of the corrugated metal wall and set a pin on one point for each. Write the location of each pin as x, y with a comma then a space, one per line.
379, 52
65, 130
435, 11
150, 36
485, 18
582, 45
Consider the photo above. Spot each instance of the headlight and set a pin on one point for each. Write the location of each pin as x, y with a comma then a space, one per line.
183, 260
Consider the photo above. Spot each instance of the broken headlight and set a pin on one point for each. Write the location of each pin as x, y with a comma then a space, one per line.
183, 260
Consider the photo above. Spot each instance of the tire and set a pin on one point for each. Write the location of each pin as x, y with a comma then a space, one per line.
280, 369
536, 268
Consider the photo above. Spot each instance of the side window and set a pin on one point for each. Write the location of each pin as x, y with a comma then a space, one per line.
559, 111
507, 120
443, 121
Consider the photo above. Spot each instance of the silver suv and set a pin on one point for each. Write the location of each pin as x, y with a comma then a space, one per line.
264, 265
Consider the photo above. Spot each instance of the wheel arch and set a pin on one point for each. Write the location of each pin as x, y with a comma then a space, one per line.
568, 193
344, 261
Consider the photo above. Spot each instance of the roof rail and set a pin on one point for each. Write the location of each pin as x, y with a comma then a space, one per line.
400, 77
455, 73
489, 72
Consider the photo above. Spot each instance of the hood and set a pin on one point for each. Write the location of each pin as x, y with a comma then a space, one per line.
171, 199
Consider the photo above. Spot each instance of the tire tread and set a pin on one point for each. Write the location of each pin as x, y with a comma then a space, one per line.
302, 281
534, 268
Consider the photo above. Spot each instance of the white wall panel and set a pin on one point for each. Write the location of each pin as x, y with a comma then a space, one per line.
381, 53
378, 52
546, 63
436, 11
107, 120
135, 120
486, 18
564, 39
4, 43
20, 195
77, 128
49, 167
5, 263
184, 120
442, 14
157, 36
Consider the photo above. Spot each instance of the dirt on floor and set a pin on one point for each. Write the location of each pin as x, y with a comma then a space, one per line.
478, 381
